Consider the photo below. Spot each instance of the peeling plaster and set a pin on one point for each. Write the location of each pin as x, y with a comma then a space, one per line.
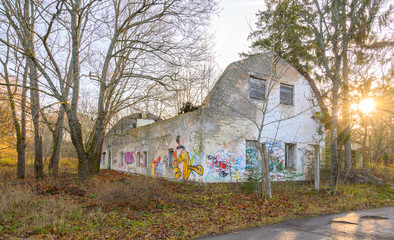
212, 140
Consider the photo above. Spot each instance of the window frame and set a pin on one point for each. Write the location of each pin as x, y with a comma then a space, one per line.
263, 90
282, 100
171, 157
145, 158
290, 162
104, 155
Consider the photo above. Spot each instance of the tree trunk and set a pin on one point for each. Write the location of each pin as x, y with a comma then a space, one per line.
20, 129
35, 112
21, 147
57, 144
265, 174
365, 145
334, 135
317, 167
346, 113
74, 124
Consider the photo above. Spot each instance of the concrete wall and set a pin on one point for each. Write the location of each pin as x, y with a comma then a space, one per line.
217, 142
157, 140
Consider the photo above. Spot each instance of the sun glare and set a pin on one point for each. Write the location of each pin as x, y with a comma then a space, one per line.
367, 105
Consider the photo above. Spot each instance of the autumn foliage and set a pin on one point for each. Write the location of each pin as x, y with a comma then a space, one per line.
121, 206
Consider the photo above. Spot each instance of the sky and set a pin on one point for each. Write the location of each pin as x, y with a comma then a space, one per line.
231, 28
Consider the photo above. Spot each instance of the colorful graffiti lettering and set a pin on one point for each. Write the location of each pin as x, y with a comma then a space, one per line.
183, 163
219, 166
129, 157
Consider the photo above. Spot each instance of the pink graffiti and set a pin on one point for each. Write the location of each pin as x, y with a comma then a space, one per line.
129, 158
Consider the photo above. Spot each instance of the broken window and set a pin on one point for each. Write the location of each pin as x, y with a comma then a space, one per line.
286, 94
171, 157
290, 154
257, 88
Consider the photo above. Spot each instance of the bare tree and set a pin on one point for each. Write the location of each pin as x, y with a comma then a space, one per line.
116, 47
17, 91
19, 121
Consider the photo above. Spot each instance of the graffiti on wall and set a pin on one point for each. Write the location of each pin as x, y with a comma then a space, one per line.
275, 156
275, 163
251, 158
159, 167
237, 168
251, 154
155, 164
219, 164
129, 157
183, 163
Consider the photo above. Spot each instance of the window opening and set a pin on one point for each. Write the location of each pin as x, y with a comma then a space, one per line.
286, 94
257, 88
290, 154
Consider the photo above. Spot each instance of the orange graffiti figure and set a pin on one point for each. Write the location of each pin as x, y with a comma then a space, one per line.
187, 167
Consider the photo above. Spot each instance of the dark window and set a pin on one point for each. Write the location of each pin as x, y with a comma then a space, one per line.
145, 158
290, 155
171, 157
286, 94
257, 88
139, 156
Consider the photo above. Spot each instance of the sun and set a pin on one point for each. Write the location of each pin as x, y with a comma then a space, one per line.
366, 106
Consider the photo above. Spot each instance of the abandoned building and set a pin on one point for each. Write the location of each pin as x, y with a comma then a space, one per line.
218, 141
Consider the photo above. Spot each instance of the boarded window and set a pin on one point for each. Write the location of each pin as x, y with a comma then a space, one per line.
257, 88
286, 94
290, 154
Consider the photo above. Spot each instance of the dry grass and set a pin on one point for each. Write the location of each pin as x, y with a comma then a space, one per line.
119, 206
35, 214
385, 172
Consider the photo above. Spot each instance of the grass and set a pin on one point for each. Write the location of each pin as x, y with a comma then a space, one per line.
114, 205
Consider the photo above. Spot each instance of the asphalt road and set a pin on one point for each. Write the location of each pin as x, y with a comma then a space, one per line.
366, 224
